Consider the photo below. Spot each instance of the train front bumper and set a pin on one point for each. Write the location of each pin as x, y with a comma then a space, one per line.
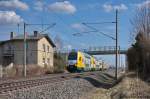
72, 68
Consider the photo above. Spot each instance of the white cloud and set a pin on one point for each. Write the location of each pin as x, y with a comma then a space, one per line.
9, 17
143, 4
62, 7
109, 7
121, 7
39, 5
78, 26
13, 4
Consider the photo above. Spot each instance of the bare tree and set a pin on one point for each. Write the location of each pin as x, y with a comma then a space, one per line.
58, 42
141, 21
141, 48
59, 58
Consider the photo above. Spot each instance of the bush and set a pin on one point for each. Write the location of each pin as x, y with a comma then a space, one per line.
9, 72
59, 62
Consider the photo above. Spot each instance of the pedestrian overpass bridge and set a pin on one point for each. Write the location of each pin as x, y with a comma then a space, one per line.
106, 50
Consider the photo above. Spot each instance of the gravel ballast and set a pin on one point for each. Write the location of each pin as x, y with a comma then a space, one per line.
69, 89
75, 88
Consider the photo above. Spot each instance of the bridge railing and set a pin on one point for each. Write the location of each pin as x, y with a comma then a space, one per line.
104, 48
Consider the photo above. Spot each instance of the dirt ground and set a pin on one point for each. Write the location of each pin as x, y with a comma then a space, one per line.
130, 87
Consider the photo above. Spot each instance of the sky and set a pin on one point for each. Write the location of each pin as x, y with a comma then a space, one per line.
69, 16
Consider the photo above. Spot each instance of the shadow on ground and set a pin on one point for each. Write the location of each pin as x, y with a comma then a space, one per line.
97, 83
102, 80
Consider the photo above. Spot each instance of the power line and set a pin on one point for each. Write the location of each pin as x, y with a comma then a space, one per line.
75, 34
62, 20
48, 28
96, 30
36, 24
98, 22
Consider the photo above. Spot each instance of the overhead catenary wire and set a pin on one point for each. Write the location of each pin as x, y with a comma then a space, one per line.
67, 25
80, 33
62, 20
96, 30
48, 28
97, 22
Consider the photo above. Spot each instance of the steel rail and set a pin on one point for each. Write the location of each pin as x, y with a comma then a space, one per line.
13, 86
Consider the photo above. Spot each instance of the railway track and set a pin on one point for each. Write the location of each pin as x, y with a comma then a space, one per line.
23, 84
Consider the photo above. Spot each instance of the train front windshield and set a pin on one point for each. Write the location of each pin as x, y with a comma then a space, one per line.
72, 56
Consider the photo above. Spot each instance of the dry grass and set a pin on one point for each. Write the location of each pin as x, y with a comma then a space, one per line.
32, 70
130, 87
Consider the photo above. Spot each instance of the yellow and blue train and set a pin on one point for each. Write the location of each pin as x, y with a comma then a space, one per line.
79, 61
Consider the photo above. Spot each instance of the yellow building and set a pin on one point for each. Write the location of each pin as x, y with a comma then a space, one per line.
40, 50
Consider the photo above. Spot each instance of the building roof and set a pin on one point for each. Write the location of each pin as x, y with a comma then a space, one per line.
30, 37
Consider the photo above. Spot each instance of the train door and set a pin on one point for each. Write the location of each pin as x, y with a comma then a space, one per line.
87, 63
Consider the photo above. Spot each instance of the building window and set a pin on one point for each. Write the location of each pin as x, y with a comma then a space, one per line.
48, 49
48, 61
43, 60
44, 48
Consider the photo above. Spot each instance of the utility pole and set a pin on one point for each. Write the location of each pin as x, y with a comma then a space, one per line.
25, 44
114, 38
25, 53
116, 45
1, 71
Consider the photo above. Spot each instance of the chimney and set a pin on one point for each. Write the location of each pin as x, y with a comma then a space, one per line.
35, 33
12, 35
